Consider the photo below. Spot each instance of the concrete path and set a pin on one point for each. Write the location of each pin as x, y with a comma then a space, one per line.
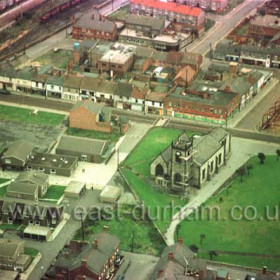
242, 150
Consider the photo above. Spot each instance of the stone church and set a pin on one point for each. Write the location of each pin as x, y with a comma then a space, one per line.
190, 162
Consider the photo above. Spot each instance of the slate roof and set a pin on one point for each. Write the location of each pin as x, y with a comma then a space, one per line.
95, 108
95, 257
174, 268
154, 23
8, 247
90, 22
19, 149
22, 188
55, 80
33, 177
82, 145
205, 147
72, 81
218, 133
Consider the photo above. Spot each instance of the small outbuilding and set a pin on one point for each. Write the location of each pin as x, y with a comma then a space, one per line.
85, 149
37, 233
110, 194
74, 189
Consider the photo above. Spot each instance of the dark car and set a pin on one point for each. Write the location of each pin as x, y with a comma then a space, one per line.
4, 91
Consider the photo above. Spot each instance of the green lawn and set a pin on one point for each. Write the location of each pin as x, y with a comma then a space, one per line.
10, 226
260, 189
3, 191
59, 59
3, 180
54, 192
120, 14
31, 252
112, 137
139, 160
209, 24
146, 239
25, 115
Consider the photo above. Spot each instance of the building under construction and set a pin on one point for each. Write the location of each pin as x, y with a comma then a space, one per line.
272, 117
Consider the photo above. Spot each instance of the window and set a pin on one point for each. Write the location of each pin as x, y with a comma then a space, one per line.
220, 158
8, 161
203, 174
178, 157
159, 170
177, 178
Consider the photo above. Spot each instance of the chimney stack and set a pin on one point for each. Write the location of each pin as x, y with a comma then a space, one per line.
170, 256
264, 269
180, 240
67, 254
95, 243
84, 262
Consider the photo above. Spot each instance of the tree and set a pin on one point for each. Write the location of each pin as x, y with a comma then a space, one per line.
278, 154
249, 167
261, 157
202, 236
241, 172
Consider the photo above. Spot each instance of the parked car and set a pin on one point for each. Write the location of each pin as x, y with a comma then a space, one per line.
4, 91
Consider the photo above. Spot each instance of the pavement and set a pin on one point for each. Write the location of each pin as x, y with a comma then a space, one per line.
253, 105
141, 266
242, 150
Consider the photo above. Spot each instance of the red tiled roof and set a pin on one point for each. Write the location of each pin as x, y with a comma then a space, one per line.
170, 6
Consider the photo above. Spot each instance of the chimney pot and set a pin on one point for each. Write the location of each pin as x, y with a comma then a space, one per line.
84, 262
95, 243
170, 256
67, 255
195, 256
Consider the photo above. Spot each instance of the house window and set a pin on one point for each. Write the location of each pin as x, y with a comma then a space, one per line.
31, 222
220, 158
203, 174
178, 157
37, 223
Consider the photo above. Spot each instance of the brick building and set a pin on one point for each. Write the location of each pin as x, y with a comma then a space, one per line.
209, 5
90, 116
215, 106
192, 17
98, 260
94, 26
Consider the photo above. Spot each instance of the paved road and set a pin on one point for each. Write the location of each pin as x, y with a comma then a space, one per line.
224, 26
254, 118
242, 150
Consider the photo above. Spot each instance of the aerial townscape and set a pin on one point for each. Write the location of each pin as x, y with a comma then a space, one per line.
139, 139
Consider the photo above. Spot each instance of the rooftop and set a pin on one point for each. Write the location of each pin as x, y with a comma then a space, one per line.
170, 6
117, 56
267, 21
154, 23
52, 160
82, 145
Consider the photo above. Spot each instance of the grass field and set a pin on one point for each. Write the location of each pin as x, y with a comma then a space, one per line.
112, 137
59, 59
260, 235
54, 192
31, 252
139, 161
10, 226
209, 24
120, 14
146, 239
3, 191
25, 115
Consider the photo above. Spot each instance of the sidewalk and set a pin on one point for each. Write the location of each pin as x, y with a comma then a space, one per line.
252, 104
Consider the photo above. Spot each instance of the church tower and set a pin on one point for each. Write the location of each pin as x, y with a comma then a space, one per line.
181, 163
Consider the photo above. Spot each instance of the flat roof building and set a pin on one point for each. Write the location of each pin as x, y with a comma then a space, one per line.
55, 164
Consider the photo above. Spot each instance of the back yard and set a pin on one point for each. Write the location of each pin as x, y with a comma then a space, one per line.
54, 193
260, 190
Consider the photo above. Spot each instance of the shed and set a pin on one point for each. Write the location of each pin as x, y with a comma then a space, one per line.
74, 189
37, 232
110, 194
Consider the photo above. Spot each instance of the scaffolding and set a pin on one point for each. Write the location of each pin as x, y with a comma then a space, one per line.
272, 117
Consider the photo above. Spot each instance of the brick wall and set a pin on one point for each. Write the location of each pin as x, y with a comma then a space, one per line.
83, 119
